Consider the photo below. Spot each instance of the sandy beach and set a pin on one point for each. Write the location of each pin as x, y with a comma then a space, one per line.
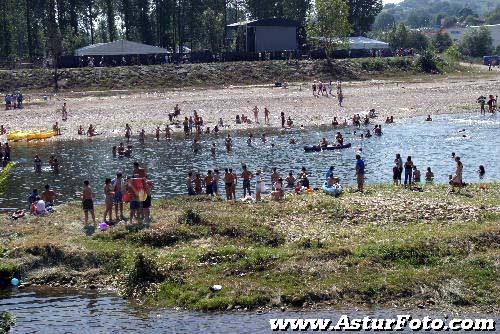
109, 113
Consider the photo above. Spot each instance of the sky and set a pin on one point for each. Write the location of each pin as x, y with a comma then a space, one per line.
391, 1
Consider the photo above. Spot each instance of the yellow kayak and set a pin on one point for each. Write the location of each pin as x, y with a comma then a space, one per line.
41, 135
30, 135
18, 135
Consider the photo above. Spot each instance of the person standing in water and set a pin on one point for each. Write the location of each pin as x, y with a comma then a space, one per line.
142, 136
229, 142
38, 164
128, 132
167, 132
157, 133
266, 116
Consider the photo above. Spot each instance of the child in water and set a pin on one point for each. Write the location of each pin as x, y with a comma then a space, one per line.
429, 175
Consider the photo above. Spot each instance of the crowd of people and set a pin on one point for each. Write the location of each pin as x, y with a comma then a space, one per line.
209, 183
136, 189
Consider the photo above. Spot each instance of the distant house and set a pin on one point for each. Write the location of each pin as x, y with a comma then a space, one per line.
120, 48
264, 35
456, 33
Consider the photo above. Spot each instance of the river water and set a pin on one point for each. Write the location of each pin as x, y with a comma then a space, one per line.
65, 311
473, 137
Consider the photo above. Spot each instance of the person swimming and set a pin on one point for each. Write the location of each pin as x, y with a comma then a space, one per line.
339, 138
429, 118
481, 171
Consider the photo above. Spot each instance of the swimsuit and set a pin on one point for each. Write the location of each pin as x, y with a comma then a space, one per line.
147, 203
87, 205
118, 197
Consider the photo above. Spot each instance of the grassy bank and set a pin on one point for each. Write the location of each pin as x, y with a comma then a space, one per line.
388, 246
207, 75
6, 322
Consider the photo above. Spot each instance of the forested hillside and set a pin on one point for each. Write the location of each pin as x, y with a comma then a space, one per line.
428, 13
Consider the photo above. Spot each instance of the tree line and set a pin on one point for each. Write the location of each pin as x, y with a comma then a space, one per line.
31, 29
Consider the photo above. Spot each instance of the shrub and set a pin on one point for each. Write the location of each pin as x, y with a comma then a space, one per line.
476, 43
6, 322
427, 62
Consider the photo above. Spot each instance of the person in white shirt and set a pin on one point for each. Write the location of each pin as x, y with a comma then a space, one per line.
40, 208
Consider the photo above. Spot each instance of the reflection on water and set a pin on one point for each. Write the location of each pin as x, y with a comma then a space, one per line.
63, 311
430, 144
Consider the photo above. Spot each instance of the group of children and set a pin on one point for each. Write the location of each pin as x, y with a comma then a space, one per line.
14, 101
412, 173
491, 102
325, 89
91, 131
122, 151
53, 163
208, 184
42, 204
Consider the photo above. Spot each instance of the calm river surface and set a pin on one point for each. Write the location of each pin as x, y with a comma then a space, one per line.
473, 137
63, 311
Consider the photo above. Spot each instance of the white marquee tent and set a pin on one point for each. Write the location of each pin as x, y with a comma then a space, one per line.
364, 43
119, 48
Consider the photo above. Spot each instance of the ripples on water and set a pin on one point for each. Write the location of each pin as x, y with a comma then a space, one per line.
63, 311
430, 144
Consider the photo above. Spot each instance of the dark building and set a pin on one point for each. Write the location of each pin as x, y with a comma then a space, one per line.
264, 35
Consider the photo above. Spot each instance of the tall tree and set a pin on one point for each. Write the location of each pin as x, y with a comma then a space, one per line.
110, 19
143, 23
476, 42
54, 42
329, 23
5, 29
362, 14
